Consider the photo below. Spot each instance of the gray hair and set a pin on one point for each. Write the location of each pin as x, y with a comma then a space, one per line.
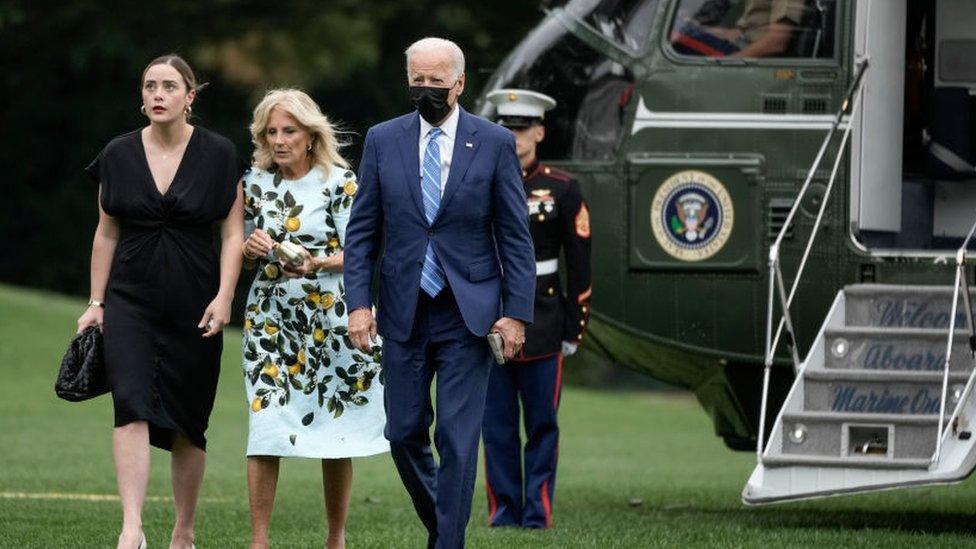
431, 43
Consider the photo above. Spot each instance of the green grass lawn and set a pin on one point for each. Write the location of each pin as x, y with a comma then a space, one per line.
615, 447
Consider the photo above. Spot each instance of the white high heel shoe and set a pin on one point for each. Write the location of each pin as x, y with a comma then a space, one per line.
142, 542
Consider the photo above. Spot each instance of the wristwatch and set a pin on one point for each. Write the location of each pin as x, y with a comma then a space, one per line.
96, 303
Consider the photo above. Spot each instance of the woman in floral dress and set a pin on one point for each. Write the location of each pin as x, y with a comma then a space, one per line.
310, 394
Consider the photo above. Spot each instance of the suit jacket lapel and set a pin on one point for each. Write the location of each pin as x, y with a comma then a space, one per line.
465, 148
410, 155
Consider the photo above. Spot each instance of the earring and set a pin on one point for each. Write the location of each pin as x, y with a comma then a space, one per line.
142, 109
188, 110
309, 148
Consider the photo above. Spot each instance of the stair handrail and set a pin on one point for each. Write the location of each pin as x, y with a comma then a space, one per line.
961, 286
777, 288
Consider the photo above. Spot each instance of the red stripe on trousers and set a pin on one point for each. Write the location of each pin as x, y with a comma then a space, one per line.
492, 504
544, 492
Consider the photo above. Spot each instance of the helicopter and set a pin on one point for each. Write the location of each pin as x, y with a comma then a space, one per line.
717, 139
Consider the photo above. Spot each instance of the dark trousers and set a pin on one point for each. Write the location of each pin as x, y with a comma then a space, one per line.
512, 500
440, 344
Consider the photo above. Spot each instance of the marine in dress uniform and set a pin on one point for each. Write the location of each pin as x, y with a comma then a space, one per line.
559, 221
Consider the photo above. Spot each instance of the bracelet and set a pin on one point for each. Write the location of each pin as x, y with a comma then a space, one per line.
96, 303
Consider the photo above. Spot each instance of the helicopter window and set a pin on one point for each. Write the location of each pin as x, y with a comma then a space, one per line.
626, 22
591, 91
754, 28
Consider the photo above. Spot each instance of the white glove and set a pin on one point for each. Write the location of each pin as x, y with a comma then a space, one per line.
569, 349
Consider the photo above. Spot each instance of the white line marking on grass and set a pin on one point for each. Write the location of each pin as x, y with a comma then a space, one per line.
93, 497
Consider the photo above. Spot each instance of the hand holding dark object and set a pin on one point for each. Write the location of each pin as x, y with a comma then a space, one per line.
513, 334
93, 316
362, 329
82, 374
497, 345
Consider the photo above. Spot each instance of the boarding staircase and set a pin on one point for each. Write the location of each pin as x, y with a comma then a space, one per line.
884, 398
863, 413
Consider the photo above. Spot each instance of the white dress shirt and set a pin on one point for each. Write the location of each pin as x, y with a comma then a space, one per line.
445, 141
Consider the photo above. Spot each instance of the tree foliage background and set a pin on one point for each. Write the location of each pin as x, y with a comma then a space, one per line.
70, 82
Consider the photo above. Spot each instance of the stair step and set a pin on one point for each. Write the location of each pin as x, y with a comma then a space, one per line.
863, 414
847, 417
831, 434
897, 289
895, 349
905, 306
865, 462
871, 376
867, 391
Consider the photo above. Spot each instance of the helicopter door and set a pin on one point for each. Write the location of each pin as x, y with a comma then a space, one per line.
876, 144
950, 138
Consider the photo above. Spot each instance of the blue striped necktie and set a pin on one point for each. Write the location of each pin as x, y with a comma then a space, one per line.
432, 278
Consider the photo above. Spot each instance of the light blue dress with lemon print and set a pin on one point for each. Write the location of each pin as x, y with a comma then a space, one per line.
310, 394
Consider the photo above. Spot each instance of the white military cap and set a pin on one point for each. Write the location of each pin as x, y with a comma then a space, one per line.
520, 108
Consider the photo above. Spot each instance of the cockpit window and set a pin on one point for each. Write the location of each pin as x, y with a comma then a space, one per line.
755, 28
591, 92
626, 22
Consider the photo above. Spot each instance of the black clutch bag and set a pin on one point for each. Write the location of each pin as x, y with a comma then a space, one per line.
82, 375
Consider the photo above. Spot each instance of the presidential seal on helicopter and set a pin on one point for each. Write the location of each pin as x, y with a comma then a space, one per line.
692, 215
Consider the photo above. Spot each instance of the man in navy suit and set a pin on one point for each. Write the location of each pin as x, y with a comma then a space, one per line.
442, 190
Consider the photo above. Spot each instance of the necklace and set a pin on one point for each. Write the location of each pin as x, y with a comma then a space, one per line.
164, 153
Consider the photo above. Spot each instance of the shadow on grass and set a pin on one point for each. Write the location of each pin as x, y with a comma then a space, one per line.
816, 517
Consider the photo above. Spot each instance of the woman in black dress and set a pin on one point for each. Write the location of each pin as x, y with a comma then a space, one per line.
158, 290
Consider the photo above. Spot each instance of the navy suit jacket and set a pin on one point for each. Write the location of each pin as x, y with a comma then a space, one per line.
480, 234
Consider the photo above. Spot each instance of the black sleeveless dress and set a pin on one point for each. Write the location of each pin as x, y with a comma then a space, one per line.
164, 274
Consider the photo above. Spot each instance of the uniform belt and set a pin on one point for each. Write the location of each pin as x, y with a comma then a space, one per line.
547, 267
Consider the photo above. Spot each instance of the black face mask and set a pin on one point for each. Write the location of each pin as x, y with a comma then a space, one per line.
431, 102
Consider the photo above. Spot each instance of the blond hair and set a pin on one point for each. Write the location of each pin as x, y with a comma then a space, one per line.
325, 144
